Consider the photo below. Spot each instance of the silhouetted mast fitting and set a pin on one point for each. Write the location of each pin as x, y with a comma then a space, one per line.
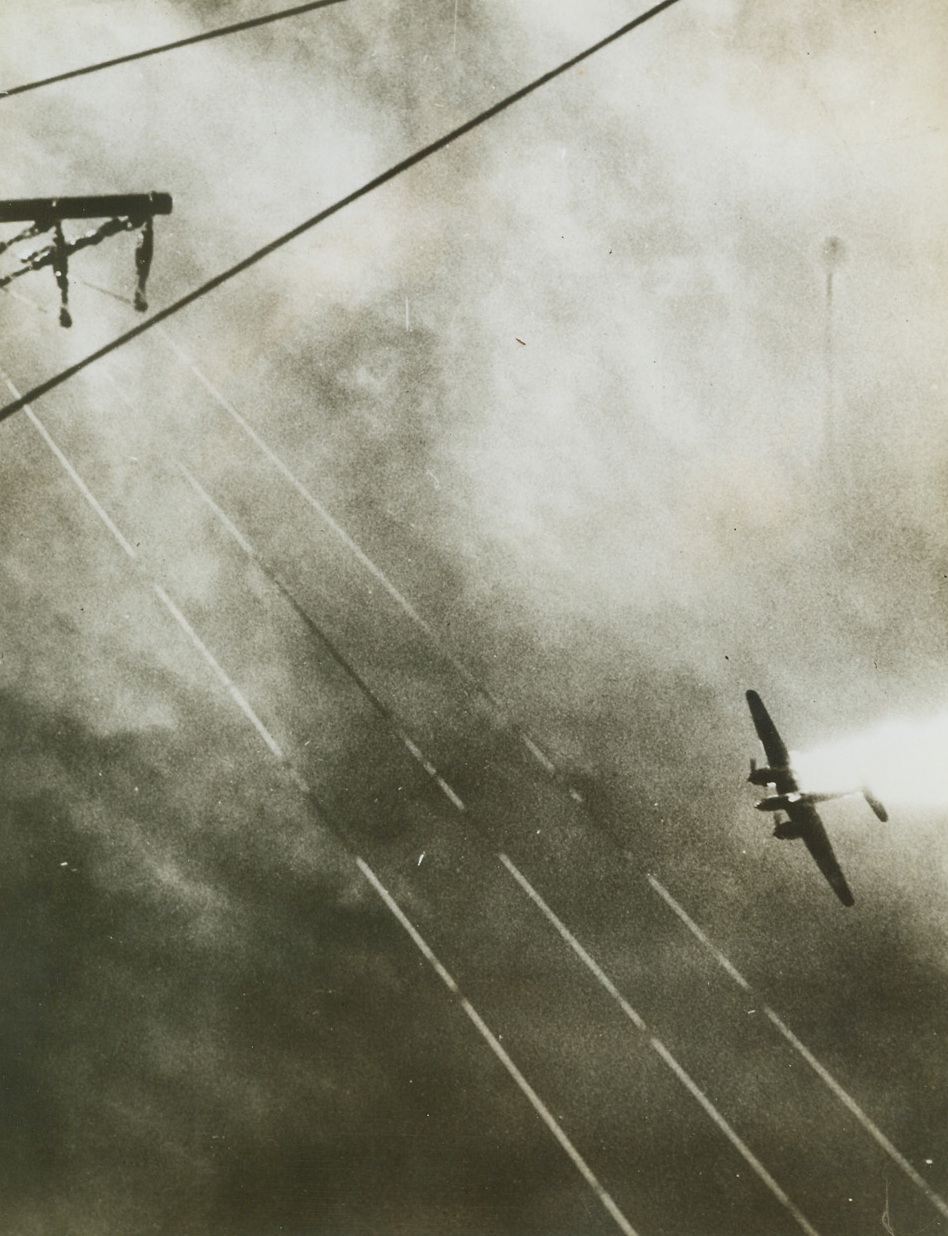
128, 211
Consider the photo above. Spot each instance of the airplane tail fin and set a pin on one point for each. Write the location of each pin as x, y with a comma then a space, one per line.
877, 807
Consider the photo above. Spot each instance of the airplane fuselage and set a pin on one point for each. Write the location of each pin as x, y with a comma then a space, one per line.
786, 797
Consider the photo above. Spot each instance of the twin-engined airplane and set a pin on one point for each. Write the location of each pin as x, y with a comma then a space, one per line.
803, 819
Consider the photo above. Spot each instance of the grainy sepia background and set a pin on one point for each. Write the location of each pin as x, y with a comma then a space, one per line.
630, 399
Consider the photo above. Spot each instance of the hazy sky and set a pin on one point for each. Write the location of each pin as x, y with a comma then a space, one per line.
635, 392
653, 226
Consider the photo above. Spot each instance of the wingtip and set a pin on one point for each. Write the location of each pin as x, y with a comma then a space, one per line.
843, 891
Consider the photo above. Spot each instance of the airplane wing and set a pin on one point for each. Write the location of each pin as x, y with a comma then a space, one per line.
817, 842
778, 757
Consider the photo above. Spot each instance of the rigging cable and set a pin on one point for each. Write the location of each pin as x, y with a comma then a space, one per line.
376, 182
249, 24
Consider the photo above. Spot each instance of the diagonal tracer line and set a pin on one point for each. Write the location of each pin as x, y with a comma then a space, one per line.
823, 1073
359, 554
232, 689
73, 474
385, 712
536, 1102
662, 1051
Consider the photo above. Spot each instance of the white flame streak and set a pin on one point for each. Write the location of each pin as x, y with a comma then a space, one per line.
901, 761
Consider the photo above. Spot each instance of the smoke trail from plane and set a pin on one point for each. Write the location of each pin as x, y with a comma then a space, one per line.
903, 761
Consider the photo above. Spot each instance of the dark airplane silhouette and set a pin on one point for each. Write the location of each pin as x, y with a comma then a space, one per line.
803, 819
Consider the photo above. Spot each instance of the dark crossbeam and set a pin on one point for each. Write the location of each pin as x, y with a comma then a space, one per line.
126, 205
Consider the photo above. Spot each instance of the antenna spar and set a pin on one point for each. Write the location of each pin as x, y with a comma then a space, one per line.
123, 212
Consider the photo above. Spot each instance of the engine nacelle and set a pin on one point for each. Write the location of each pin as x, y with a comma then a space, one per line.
761, 776
785, 830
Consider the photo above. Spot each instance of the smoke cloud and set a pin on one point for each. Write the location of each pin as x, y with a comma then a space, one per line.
574, 384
